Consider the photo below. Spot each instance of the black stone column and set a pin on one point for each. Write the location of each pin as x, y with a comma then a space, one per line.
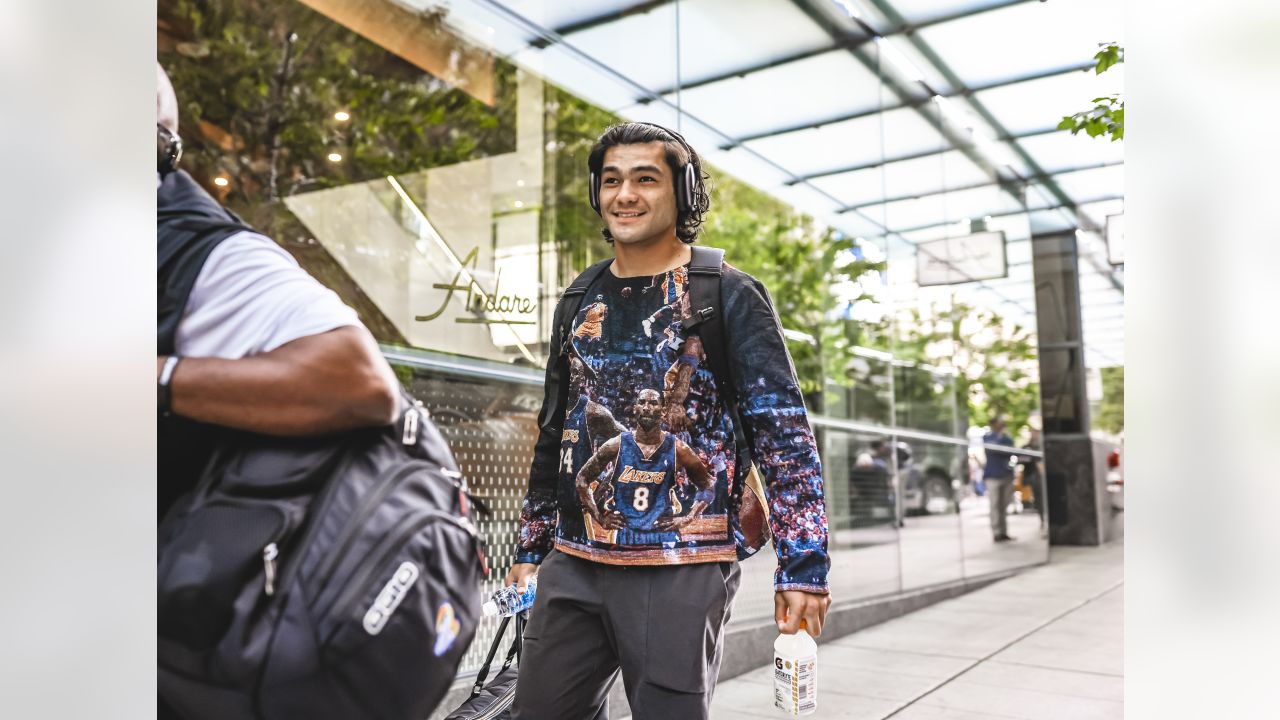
1079, 510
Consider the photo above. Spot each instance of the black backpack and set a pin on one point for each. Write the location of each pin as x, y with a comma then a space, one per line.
706, 300
334, 577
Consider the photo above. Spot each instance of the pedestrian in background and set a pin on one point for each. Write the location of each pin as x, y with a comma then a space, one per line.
997, 474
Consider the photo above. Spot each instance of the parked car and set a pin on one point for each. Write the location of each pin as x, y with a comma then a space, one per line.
927, 486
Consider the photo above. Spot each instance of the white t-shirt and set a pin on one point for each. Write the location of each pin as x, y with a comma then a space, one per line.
252, 297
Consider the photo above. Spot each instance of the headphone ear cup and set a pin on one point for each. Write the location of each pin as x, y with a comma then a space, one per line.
593, 192
690, 186
168, 150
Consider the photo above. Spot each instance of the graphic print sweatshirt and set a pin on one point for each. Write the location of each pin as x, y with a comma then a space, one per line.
644, 470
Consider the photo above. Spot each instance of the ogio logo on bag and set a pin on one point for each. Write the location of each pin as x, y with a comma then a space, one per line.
447, 627
389, 599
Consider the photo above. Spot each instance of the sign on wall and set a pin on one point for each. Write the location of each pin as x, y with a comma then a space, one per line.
980, 256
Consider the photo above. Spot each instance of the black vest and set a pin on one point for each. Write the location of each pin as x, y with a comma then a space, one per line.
189, 225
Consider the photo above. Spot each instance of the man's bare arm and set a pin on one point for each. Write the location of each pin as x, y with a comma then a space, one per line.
591, 470
697, 470
701, 478
317, 384
600, 422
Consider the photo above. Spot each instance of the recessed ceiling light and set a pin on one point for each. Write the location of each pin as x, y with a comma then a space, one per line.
342, 116
519, 204
335, 157
221, 181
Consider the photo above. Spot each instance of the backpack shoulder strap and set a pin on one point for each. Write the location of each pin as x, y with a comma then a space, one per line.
706, 269
571, 301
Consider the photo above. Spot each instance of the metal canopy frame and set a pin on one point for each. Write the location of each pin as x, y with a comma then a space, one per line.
852, 34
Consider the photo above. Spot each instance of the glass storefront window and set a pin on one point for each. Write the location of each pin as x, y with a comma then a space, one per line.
427, 161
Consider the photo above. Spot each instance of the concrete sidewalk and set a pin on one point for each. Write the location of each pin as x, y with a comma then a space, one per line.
1046, 644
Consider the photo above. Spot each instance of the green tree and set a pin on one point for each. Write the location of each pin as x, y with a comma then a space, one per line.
1110, 417
259, 83
799, 261
1107, 115
995, 363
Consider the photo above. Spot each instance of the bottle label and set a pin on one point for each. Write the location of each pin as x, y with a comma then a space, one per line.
795, 684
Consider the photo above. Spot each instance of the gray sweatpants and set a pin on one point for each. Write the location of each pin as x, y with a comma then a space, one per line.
661, 626
999, 494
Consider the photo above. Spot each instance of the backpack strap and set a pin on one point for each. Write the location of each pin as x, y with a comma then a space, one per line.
706, 269
706, 302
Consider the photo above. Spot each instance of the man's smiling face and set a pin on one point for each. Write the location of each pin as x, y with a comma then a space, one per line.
637, 197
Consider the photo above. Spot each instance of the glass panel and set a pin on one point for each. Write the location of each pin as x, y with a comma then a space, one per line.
863, 514
733, 105
915, 11
930, 476
925, 473
1092, 183
1055, 151
848, 143
1077, 27
996, 343
1024, 512
863, 392
1040, 104
861, 518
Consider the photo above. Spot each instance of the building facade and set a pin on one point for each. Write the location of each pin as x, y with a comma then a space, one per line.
427, 161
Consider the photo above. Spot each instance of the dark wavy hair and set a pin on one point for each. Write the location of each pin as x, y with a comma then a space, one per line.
688, 222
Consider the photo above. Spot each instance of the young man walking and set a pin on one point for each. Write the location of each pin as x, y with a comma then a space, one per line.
633, 524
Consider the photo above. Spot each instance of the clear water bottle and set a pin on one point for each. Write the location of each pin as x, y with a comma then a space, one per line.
795, 673
509, 600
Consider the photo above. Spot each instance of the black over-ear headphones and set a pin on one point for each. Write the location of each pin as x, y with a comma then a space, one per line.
168, 150
686, 179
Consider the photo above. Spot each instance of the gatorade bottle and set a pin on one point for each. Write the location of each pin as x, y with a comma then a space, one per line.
795, 673
509, 601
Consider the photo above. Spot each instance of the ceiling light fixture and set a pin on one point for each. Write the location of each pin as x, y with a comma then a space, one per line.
221, 181
342, 116
335, 157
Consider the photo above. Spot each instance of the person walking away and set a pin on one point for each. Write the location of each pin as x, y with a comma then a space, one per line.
997, 474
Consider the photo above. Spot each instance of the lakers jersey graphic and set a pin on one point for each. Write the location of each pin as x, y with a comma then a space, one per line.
575, 446
633, 367
642, 490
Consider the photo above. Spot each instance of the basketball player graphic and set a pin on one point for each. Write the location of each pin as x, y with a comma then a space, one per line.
637, 507
587, 424
591, 326
676, 384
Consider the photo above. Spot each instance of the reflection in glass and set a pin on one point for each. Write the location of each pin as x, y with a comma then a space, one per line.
429, 165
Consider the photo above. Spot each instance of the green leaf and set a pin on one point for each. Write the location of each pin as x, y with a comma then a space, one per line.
1107, 57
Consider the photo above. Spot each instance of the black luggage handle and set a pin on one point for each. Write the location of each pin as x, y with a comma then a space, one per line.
517, 644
